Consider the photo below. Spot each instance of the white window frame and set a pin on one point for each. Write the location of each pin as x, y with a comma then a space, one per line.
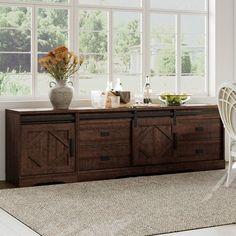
178, 14
73, 8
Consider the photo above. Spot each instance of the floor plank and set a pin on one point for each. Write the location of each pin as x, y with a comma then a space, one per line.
5, 185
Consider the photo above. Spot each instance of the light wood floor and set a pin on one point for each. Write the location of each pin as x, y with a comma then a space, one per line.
9, 226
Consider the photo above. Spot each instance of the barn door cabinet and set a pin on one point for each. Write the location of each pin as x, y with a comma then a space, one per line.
46, 146
40, 148
47, 149
153, 138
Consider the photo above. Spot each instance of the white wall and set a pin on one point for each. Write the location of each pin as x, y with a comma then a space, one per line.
225, 47
224, 70
221, 66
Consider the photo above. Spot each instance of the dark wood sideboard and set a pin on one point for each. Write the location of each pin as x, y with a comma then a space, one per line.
47, 146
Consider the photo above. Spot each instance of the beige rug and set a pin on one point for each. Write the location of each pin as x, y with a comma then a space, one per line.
128, 207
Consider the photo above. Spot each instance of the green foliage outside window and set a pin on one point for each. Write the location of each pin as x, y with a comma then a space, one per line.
93, 40
127, 37
12, 88
15, 35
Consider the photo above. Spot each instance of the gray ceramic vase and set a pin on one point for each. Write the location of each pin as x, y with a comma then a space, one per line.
61, 94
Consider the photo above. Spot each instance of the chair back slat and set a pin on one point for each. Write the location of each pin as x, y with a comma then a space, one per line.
227, 108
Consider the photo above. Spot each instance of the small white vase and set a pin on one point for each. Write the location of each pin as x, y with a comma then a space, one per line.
61, 94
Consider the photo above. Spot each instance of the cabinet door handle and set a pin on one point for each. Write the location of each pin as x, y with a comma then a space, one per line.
135, 119
104, 133
174, 140
199, 151
71, 148
199, 129
104, 158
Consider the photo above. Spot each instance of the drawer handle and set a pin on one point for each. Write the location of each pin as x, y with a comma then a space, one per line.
71, 148
199, 129
199, 151
174, 140
104, 133
104, 158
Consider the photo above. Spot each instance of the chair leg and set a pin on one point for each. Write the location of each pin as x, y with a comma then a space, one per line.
229, 171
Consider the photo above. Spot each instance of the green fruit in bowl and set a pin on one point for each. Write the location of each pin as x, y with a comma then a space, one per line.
174, 99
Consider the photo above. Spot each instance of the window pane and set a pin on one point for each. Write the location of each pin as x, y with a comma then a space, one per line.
15, 40
87, 83
193, 54
193, 85
127, 43
179, 4
119, 3
52, 28
18, 63
193, 62
15, 84
15, 51
130, 83
93, 44
93, 41
162, 84
15, 29
163, 52
93, 21
43, 80
163, 72
13, 80
15, 18
94, 64
162, 46
193, 24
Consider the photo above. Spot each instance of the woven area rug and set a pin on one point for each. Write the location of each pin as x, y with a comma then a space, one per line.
147, 205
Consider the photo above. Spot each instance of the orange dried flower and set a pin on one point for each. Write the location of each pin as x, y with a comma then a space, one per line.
61, 63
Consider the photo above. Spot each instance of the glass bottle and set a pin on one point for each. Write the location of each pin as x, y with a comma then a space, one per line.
118, 86
147, 91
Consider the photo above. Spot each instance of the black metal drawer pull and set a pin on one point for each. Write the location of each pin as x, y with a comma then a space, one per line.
199, 151
104, 133
71, 148
104, 158
174, 140
199, 129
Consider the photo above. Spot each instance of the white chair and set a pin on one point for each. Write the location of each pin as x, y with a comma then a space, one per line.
227, 109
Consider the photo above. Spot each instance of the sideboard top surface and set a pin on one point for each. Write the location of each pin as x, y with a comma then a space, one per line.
154, 107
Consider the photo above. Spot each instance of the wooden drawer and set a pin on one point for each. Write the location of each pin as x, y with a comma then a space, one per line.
104, 162
104, 130
97, 150
197, 151
187, 130
104, 155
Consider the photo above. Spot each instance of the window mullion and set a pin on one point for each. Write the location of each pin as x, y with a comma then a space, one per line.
178, 54
34, 50
145, 41
110, 46
207, 53
73, 40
